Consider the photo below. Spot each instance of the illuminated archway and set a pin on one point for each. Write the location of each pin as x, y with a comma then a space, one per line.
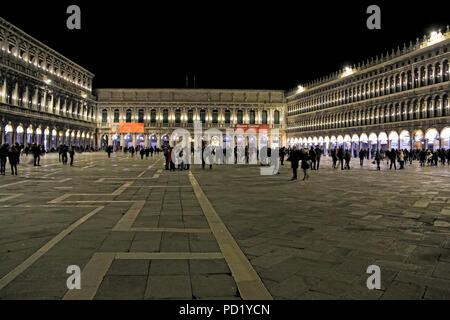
418, 138
405, 140
445, 138
393, 139
432, 139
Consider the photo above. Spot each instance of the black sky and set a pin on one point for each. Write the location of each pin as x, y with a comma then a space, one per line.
226, 44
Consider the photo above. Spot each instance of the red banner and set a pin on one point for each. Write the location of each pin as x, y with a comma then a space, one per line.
128, 127
253, 128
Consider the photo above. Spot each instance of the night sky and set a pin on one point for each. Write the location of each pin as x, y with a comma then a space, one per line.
226, 44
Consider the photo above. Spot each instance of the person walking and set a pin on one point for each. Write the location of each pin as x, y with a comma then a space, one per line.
142, 153
361, 157
147, 153
348, 158
306, 159
294, 158
13, 157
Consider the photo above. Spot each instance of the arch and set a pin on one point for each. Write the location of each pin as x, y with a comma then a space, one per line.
355, 138
432, 139
373, 137
445, 138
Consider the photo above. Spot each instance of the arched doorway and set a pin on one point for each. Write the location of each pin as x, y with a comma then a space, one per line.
29, 135
8, 134
153, 141
47, 139
432, 139
383, 139
445, 138
104, 141
373, 144
141, 141
393, 139
418, 140
165, 141
19, 132
116, 142
405, 140
355, 146
38, 136
128, 141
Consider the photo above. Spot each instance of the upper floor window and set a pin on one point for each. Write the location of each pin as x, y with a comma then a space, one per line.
240, 117
264, 117
227, 116
153, 116
203, 116
104, 116
128, 116
165, 116
276, 117
178, 116
191, 116
141, 116
215, 116
252, 117
116, 116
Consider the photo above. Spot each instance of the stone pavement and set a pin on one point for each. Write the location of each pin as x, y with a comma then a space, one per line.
139, 232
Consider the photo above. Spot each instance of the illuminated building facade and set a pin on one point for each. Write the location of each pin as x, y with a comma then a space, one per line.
396, 100
44, 97
163, 110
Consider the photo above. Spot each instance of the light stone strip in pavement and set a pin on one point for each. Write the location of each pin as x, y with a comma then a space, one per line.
249, 283
96, 269
122, 188
172, 230
10, 197
127, 221
92, 276
44, 249
168, 255
13, 184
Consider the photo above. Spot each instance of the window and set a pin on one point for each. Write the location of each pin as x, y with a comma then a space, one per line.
215, 116
252, 117
104, 116
276, 117
227, 116
203, 116
240, 117
166, 116
128, 118
116, 116
264, 117
178, 116
141, 116
153, 116
191, 116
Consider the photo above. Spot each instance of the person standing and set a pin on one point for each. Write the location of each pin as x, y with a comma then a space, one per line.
378, 159
282, 153
109, 150
348, 158
312, 156
142, 153
340, 155
318, 156
151, 152
36, 155
294, 158
334, 158
401, 159
13, 157
72, 155
3, 157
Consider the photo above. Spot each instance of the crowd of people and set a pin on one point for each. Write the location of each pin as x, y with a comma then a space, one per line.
310, 159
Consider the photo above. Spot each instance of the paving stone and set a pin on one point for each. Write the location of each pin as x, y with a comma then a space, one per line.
117, 287
213, 285
169, 267
168, 287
